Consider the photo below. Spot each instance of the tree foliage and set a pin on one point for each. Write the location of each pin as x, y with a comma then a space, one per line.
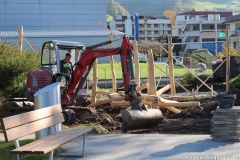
115, 9
232, 52
14, 68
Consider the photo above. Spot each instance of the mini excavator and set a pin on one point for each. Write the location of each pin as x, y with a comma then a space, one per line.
73, 92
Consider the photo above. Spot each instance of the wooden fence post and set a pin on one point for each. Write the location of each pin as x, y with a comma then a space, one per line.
114, 83
170, 64
20, 38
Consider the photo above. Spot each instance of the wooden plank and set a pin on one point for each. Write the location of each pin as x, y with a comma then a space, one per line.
20, 119
39, 141
55, 141
73, 134
26, 129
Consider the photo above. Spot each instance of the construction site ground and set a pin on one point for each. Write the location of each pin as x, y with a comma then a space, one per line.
179, 136
191, 120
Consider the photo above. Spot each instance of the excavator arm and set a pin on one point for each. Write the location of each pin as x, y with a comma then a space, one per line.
84, 65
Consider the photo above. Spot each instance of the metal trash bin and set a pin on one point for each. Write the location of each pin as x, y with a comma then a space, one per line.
47, 96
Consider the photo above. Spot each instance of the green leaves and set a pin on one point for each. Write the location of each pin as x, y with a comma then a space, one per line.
14, 68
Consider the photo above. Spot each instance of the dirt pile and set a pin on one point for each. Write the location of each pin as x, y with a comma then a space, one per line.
192, 120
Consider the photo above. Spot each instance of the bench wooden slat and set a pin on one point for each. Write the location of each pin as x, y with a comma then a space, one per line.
47, 145
39, 141
13, 121
26, 129
63, 140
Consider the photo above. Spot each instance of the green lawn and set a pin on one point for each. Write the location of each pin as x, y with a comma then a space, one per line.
104, 71
5, 149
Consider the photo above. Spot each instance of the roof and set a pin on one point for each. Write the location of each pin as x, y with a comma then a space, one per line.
54, 33
206, 13
232, 18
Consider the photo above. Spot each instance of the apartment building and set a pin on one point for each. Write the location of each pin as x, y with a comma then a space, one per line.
234, 30
200, 29
149, 27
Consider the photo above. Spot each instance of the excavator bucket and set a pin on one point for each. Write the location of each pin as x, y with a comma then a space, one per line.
140, 119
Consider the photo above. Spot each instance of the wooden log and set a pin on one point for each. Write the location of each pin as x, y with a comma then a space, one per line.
142, 87
179, 104
95, 79
151, 74
119, 98
150, 97
120, 103
114, 82
164, 89
170, 64
112, 95
175, 110
136, 62
103, 92
99, 103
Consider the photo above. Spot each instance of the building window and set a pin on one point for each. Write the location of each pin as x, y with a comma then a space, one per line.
155, 32
149, 26
124, 17
141, 32
149, 32
119, 25
168, 25
155, 25
149, 39
169, 32
141, 26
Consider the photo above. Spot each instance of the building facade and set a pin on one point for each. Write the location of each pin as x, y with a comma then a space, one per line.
234, 30
149, 27
200, 29
52, 14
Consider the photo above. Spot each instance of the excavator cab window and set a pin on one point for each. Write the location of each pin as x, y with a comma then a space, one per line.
49, 59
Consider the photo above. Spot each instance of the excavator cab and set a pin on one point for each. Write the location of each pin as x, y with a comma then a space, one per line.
52, 52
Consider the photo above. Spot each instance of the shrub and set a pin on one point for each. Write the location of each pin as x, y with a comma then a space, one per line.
4, 105
188, 78
14, 68
232, 52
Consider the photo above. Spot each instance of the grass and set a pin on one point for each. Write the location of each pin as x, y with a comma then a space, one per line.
104, 71
5, 153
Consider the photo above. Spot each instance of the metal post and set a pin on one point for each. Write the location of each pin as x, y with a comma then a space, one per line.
227, 59
45, 97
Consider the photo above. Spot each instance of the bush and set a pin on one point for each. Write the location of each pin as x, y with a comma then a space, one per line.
4, 105
188, 78
14, 68
232, 52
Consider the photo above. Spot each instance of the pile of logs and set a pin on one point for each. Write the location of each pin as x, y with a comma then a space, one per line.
153, 97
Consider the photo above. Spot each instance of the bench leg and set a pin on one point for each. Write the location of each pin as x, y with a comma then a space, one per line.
17, 145
73, 154
51, 155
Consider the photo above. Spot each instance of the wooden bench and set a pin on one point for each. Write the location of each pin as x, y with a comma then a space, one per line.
34, 121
